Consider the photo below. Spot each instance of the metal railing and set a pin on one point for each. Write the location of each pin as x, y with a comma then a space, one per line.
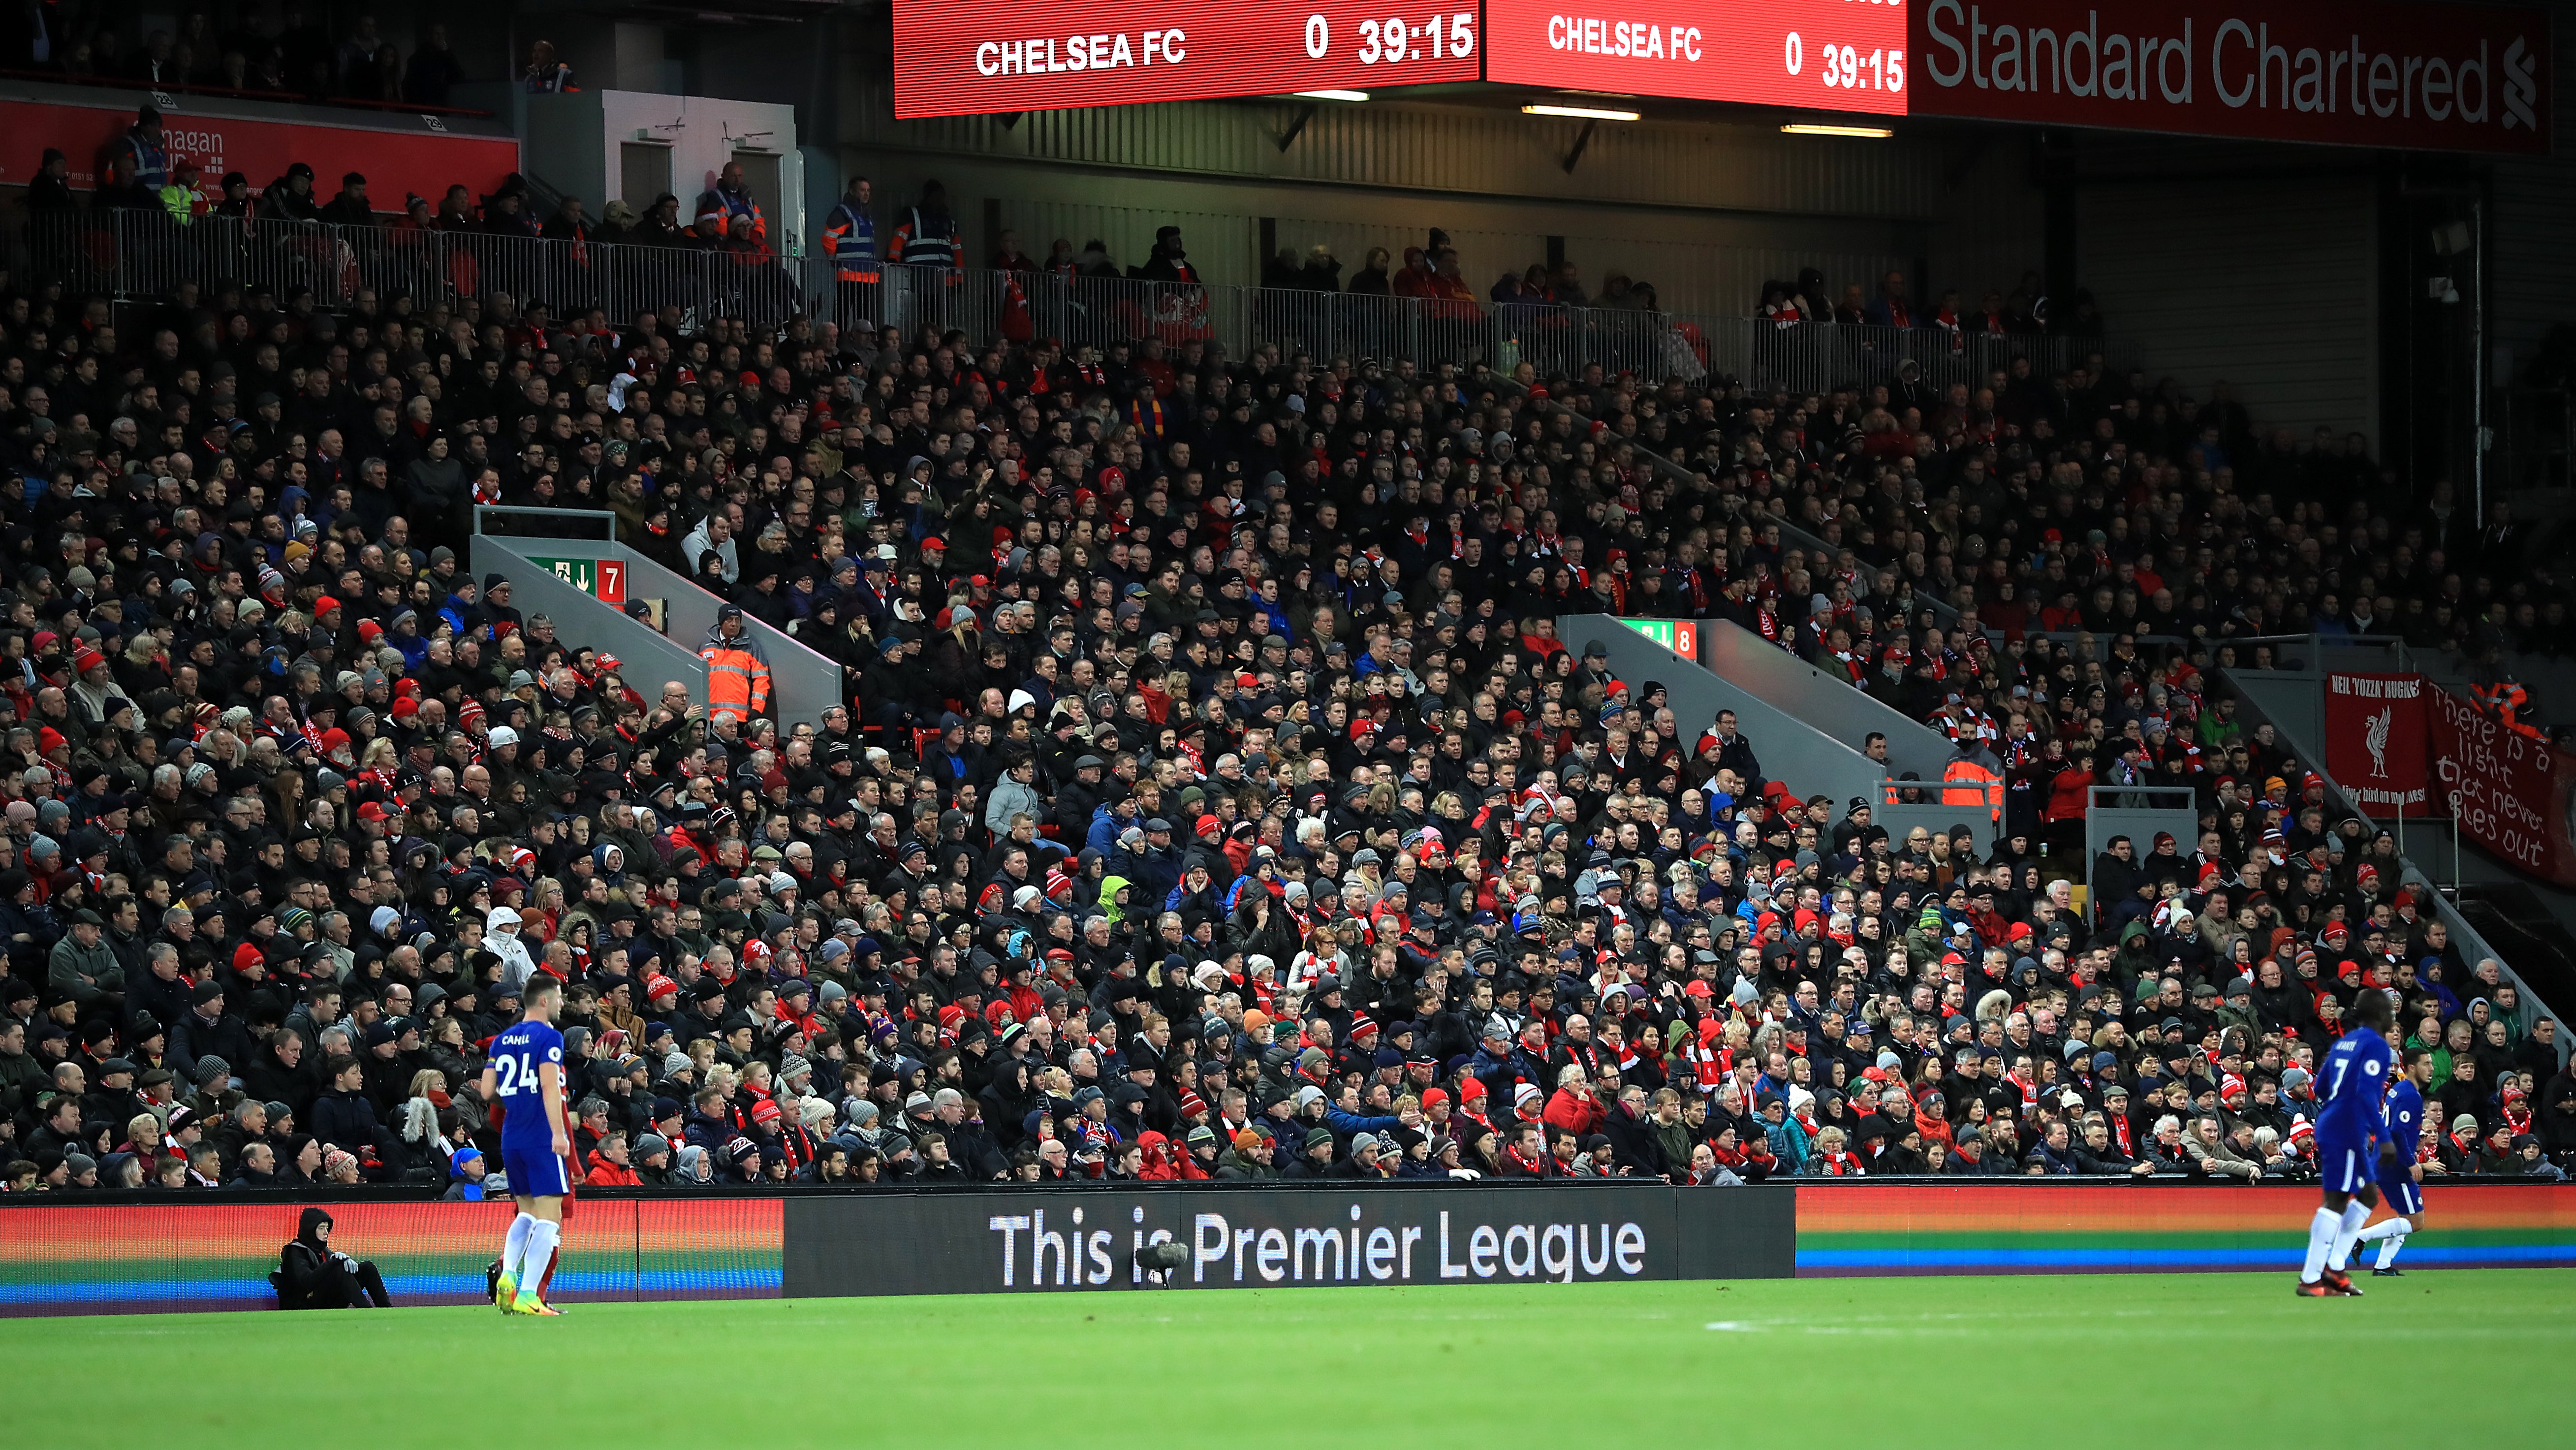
135, 253
528, 521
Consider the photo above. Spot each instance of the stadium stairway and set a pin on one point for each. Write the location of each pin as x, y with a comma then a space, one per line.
593, 580
1805, 727
2492, 910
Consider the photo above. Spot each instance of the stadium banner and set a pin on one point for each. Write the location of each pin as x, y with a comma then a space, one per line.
2056, 1227
1289, 1236
2357, 73
397, 152
141, 1258
2375, 733
2508, 792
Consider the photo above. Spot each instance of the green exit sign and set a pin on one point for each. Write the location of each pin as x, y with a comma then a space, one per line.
1681, 636
601, 579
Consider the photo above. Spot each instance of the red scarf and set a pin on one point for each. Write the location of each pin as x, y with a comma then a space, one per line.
1755, 1150
2029, 1094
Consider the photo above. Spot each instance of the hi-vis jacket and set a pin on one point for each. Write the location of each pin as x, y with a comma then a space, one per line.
737, 673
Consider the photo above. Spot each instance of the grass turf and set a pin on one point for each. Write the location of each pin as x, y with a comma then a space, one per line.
2104, 1360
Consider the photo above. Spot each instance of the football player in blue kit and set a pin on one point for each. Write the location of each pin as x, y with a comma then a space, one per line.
2351, 1083
2401, 1178
524, 1073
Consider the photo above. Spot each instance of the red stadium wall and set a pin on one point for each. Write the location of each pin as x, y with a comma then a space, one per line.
396, 152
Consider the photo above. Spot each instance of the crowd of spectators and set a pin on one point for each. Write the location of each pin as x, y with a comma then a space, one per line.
1211, 797
296, 53
2023, 312
1433, 272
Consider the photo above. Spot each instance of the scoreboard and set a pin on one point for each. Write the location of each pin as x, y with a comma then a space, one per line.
1826, 55
956, 58
2379, 73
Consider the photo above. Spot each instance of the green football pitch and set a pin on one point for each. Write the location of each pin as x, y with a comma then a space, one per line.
2464, 1357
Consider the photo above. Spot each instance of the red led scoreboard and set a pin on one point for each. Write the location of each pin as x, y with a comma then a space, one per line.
954, 57
2455, 77
1826, 55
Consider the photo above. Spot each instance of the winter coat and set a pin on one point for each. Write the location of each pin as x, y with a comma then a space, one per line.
307, 1267
2218, 1160
1010, 797
272, 1081
1579, 1114
1231, 1167
1788, 1141
344, 1120
84, 975
1673, 1141
194, 1037
1635, 1145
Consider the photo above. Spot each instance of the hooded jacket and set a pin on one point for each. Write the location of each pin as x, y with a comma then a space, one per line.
304, 1267
1110, 886
1009, 797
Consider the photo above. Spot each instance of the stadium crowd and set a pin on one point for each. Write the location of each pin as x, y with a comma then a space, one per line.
299, 51
1212, 797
